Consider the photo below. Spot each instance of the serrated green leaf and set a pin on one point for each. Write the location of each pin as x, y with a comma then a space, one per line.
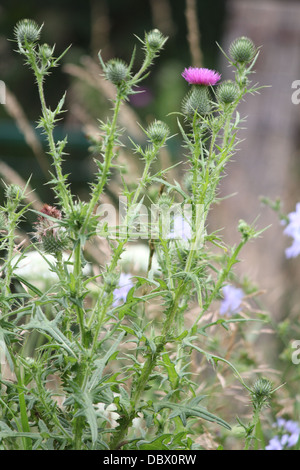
156, 444
41, 323
186, 410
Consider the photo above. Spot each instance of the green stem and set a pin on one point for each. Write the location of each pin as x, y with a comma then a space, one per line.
10, 253
22, 404
77, 272
65, 196
107, 162
255, 423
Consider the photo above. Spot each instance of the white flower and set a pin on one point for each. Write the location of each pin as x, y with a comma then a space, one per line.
108, 412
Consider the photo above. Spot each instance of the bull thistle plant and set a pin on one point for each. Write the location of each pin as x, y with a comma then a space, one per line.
123, 374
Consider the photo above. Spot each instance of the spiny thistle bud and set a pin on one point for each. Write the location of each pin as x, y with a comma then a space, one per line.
55, 241
227, 92
197, 100
154, 40
261, 393
111, 281
45, 52
53, 238
27, 31
77, 217
246, 230
157, 132
116, 71
242, 50
13, 192
165, 202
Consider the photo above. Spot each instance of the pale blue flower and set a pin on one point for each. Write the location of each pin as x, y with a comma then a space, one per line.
121, 292
288, 435
232, 300
274, 444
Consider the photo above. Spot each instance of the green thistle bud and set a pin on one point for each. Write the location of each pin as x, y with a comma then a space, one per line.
13, 192
197, 100
261, 393
116, 71
154, 40
242, 50
157, 132
45, 52
227, 92
55, 241
165, 202
111, 281
27, 30
77, 217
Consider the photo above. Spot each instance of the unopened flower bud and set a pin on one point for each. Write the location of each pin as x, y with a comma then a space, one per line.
45, 51
155, 40
242, 50
165, 202
53, 238
116, 71
27, 30
261, 393
13, 192
227, 92
197, 100
110, 280
55, 241
157, 132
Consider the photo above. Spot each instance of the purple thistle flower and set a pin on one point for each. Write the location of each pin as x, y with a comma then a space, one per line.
293, 230
121, 292
232, 300
201, 76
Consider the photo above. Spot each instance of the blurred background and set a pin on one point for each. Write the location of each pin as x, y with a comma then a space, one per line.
267, 163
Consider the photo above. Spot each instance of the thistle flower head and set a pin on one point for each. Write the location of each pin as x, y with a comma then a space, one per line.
51, 211
227, 92
53, 238
196, 101
242, 50
116, 71
157, 132
45, 51
27, 30
261, 393
201, 76
13, 192
164, 201
154, 40
55, 241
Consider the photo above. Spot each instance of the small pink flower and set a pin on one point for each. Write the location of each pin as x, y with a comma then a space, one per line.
201, 76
